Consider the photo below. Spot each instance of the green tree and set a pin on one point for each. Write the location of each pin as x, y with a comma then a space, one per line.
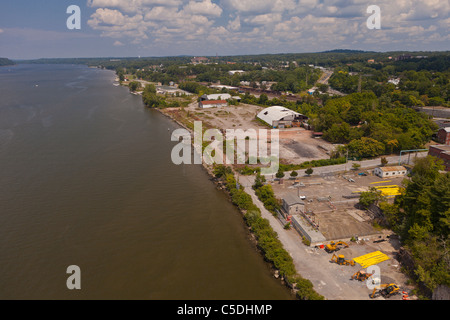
366, 148
309, 171
259, 181
368, 198
279, 174
134, 85
241, 199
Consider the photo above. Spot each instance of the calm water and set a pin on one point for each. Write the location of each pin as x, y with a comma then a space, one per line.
86, 179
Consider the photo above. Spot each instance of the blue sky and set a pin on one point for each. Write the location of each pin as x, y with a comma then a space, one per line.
118, 28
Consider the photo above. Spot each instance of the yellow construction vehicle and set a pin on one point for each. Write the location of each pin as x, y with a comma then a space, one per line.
385, 290
335, 246
361, 276
340, 260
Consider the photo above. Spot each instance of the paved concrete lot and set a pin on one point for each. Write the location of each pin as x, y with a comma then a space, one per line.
337, 217
329, 279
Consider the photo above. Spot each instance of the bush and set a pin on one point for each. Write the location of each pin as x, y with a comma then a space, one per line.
267, 196
221, 171
267, 238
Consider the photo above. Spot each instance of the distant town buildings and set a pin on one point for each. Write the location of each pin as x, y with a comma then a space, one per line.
390, 172
221, 86
170, 90
199, 60
394, 81
441, 152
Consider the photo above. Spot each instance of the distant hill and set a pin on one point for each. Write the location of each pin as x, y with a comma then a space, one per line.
6, 62
346, 51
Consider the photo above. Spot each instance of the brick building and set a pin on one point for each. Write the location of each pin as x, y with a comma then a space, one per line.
444, 136
441, 152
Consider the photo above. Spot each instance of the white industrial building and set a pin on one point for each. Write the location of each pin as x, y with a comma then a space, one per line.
217, 96
280, 117
390, 172
212, 104
233, 72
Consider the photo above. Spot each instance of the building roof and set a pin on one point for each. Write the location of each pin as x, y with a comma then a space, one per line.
443, 148
446, 129
275, 113
217, 96
291, 199
396, 168
207, 102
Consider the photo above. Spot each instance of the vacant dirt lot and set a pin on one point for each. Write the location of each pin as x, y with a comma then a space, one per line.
296, 144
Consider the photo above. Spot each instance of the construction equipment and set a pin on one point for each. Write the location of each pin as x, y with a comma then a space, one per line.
335, 246
386, 290
340, 260
361, 276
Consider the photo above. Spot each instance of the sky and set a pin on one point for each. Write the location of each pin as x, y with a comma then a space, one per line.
31, 29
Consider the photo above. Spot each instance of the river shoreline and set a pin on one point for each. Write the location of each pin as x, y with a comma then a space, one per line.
221, 186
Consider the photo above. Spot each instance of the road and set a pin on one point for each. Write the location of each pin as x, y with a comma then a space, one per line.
393, 160
327, 73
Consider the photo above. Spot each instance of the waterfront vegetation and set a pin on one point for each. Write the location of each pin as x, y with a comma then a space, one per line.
266, 237
6, 62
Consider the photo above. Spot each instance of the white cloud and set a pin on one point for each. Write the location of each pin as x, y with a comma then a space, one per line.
287, 25
264, 19
205, 7
235, 24
131, 5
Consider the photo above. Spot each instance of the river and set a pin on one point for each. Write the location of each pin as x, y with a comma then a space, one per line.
86, 179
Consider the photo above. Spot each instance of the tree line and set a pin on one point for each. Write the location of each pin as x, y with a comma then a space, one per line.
421, 216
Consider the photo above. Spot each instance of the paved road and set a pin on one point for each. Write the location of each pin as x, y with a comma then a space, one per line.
393, 160
329, 280
324, 80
